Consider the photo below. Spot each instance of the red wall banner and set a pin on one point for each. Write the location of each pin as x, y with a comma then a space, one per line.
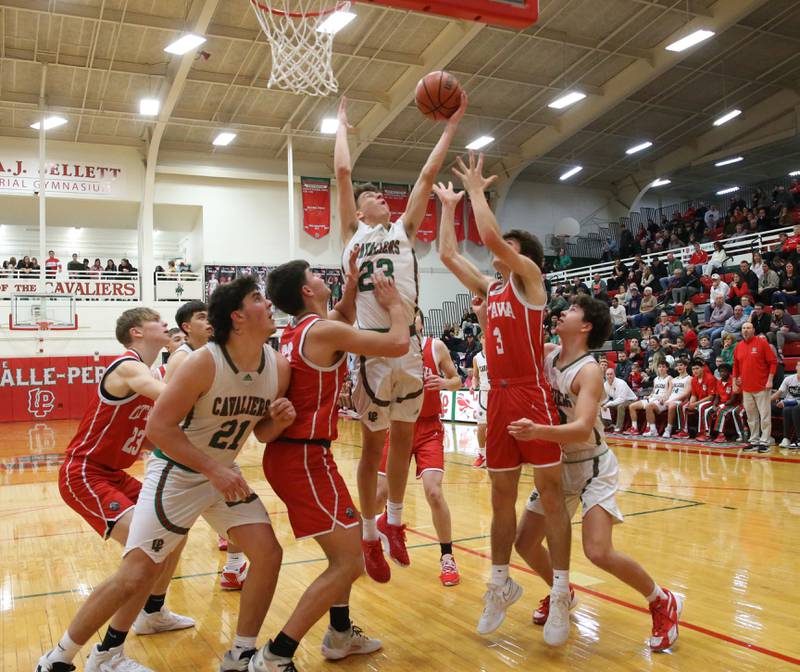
427, 230
316, 206
48, 388
460, 224
472, 225
396, 197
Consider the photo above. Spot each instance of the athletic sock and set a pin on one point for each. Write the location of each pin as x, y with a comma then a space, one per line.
499, 575
234, 562
65, 651
112, 639
634, 425
447, 549
283, 646
394, 513
657, 594
242, 644
560, 580
669, 428
340, 617
369, 528
653, 427
154, 603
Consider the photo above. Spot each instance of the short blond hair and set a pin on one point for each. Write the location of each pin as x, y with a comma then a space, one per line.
133, 317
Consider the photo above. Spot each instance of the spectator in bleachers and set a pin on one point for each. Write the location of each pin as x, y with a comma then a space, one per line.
665, 328
748, 276
111, 267
635, 353
96, 269
126, 267
788, 287
732, 327
472, 348
52, 264
718, 288
718, 258
647, 309
558, 303
689, 334
654, 355
637, 379
785, 399
754, 365
678, 350
74, 266
747, 305
699, 256
627, 243
35, 268
563, 261
760, 319
676, 288
619, 275
632, 300
24, 265
619, 395
649, 280
711, 217
715, 323
768, 283
783, 328
623, 366
599, 290
728, 346
705, 352
738, 289
659, 270
619, 318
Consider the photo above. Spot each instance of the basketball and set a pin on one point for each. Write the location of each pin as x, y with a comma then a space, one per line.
438, 95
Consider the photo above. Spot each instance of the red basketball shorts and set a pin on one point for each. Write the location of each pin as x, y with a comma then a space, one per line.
427, 449
101, 496
506, 404
305, 477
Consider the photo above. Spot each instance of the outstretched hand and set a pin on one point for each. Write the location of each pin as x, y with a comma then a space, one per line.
386, 293
471, 175
447, 195
342, 113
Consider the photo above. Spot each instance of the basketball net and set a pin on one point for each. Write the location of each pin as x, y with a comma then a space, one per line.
301, 54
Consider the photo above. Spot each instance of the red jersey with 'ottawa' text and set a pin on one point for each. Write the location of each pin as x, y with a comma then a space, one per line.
725, 390
313, 390
431, 399
112, 429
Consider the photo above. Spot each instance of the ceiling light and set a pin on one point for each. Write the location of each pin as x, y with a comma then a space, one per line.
566, 100
50, 122
335, 22
639, 148
660, 182
329, 126
184, 44
794, 173
690, 40
727, 162
149, 106
224, 139
477, 143
571, 172
727, 117
729, 190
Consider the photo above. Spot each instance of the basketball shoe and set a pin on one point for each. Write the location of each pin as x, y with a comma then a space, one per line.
633, 431
240, 664
666, 613
541, 612
681, 435
265, 661
113, 660
449, 575
720, 438
374, 563
393, 538
496, 600
233, 579
705, 437
337, 645
160, 621
47, 665
556, 628
480, 461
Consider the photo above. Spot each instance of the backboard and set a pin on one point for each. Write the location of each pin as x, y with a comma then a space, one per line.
29, 312
518, 14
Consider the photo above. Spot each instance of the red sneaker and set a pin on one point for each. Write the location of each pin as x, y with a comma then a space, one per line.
480, 461
394, 541
681, 435
541, 612
633, 432
449, 575
666, 613
222, 543
233, 580
702, 437
375, 564
720, 438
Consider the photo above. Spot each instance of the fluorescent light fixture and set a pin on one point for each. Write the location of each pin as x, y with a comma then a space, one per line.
149, 106
50, 122
329, 125
690, 40
794, 173
224, 139
571, 172
660, 182
639, 148
184, 44
725, 118
566, 100
728, 162
335, 22
477, 143
729, 190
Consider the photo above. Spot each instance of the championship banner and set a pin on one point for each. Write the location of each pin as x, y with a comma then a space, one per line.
460, 224
472, 225
396, 197
316, 206
427, 230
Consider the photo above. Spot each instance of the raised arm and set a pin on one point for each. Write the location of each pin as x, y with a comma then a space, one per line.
345, 199
418, 200
457, 263
345, 308
133, 376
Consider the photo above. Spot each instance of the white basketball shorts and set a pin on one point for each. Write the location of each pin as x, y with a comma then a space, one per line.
483, 405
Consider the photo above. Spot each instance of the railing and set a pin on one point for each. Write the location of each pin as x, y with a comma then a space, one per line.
91, 285
179, 286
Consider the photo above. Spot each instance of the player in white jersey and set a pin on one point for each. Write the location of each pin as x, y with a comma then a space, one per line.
590, 474
655, 403
681, 391
388, 392
480, 382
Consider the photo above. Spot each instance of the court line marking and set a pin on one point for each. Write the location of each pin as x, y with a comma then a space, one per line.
690, 449
615, 600
714, 487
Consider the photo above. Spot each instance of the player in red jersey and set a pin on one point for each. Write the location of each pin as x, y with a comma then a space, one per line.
726, 404
704, 386
92, 480
519, 389
176, 339
300, 466
428, 447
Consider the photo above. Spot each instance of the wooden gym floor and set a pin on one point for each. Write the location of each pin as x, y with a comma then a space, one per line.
719, 527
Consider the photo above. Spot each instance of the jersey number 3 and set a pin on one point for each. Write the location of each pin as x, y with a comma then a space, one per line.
366, 270
498, 337
226, 431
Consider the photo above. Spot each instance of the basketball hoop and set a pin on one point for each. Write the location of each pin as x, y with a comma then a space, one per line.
41, 329
302, 53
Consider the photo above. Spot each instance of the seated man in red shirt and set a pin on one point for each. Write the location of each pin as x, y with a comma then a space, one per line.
699, 256
704, 385
726, 404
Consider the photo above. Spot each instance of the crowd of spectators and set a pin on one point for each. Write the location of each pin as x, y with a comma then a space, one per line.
463, 341
27, 266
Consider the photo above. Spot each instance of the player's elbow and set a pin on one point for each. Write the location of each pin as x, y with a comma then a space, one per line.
153, 431
399, 347
343, 171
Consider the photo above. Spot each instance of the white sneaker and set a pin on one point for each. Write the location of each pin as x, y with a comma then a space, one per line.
236, 664
667, 433
47, 665
556, 629
495, 602
160, 621
337, 645
265, 661
785, 443
113, 660
650, 432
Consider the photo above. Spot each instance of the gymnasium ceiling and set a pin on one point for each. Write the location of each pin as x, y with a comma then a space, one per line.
104, 55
